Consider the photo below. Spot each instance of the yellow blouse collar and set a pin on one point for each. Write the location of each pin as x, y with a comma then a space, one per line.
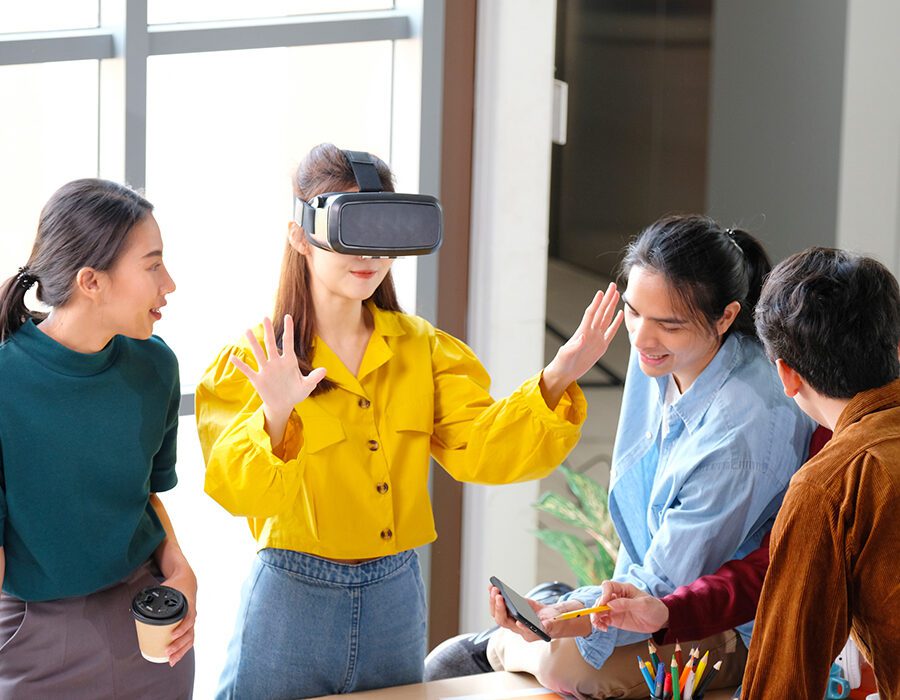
377, 353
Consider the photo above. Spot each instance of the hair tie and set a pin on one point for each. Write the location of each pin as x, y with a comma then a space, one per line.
25, 279
730, 233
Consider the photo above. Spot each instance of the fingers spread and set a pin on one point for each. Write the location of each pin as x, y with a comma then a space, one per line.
590, 311
287, 340
248, 371
316, 376
606, 309
269, 330
258, 352
614, 326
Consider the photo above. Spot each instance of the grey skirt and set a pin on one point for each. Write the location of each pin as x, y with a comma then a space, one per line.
84, 648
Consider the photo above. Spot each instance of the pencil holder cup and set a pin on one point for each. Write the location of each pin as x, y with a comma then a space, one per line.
838, 687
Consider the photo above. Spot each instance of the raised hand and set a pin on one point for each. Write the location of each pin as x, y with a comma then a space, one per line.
588, 344
278, 380
630, 609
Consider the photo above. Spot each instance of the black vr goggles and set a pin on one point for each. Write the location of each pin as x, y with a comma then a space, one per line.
371, 222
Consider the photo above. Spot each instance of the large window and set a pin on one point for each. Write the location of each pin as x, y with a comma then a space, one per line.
165, 11
209, 110
48, 136
48, 15
221, 149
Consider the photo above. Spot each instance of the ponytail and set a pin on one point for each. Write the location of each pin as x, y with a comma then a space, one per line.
758, 265
13, 311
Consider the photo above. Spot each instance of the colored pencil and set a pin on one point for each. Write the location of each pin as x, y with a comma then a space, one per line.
689, 687
653, 657
707, 679
649, 667
701, 667
676, 693
660, 680
581, 612
646, 674
688, 667
678, 657
667, 688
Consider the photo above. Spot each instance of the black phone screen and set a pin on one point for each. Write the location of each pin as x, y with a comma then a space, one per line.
520, 609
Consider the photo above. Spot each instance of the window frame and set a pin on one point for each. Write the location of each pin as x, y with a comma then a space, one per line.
124, 41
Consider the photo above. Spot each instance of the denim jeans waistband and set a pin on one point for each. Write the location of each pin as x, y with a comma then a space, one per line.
334, 572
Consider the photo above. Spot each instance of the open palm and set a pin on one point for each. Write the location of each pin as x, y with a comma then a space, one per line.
591, 339
278, 380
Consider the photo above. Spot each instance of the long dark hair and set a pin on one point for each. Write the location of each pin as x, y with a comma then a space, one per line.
707, 266
83, 224
324, 169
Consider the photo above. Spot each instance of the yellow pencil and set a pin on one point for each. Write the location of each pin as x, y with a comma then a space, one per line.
572, 614
649, 667
701, 667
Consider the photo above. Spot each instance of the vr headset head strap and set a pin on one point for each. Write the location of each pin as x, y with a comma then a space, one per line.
364, 171
305, 215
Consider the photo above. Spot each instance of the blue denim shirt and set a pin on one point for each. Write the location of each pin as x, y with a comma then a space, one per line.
709, 490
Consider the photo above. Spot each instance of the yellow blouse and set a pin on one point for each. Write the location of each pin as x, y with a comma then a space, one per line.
354, 481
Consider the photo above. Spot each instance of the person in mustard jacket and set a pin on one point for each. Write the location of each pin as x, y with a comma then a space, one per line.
320, 435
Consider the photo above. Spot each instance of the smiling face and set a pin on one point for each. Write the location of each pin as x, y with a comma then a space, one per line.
138, 283
668, 339
346, 277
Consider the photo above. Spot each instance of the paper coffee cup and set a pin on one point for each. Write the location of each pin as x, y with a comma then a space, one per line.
157, 610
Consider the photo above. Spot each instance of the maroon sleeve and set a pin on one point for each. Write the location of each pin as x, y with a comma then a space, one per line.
727, 598
716, 602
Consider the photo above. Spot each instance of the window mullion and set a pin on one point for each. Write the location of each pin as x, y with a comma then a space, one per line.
123, 93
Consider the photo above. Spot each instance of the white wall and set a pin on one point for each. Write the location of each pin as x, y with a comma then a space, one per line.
775, 119
507, 289
805, 124
869, 205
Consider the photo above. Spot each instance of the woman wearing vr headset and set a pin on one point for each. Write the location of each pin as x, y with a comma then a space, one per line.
89, 405
319, 427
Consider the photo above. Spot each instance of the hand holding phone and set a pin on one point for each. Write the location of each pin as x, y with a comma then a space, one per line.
519, 609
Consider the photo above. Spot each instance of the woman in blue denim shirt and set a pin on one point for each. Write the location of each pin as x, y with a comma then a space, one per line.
706, 445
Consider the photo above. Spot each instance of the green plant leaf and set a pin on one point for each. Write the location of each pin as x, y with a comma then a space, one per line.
584, 562
591, 514
592, 497
563, 509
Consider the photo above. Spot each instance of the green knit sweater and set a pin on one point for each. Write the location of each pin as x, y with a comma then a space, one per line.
84, 440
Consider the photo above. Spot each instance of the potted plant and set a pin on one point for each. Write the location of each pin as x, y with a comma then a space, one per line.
592, 558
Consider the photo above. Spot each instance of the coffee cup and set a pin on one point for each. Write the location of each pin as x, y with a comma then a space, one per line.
157, 610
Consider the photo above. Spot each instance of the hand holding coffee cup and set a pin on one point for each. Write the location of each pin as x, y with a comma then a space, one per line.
157, 610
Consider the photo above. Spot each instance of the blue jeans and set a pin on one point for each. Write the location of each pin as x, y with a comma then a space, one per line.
307, 626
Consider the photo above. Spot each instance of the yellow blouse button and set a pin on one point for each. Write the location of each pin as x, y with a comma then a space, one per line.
386, 534
373, 445
382, 487
364, 403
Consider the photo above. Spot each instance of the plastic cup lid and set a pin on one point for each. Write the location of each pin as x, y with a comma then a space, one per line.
159, 605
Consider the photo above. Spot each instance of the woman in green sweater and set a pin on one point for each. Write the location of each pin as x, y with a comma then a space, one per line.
88, 417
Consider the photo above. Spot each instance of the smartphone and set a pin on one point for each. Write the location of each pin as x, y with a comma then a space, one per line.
520, 609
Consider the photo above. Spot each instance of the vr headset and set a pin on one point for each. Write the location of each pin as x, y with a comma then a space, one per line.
371, 222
